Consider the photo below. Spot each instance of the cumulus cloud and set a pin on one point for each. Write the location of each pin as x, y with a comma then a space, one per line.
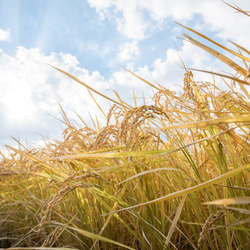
138, 18
31, 90
99, 4
129, 19
4, 35
128, 51
168, 71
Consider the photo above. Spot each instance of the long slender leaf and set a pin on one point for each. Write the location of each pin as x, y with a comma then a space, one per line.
239, 118
189, 190
149, 83
218, 55
90, 88
222, 75
218, 44
229, 201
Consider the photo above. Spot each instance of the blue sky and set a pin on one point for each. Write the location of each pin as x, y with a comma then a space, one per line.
91, 39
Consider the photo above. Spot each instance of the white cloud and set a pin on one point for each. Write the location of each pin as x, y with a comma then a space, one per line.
227, 24
128, 51
31, 90
130, 20
4, 35
138, 17
168, 71
100, 4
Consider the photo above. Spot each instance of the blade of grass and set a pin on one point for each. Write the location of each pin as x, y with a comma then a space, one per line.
240, 47
218, 55
135, 102
218, 44
221, 75
241, 210
124, 188
96, 236
239, 118
237, 8
189, 190
149, 83
97, 104
121, 101
193, 143
229, 201
29, 156
88, 87
175, 220
104, 155
149, 171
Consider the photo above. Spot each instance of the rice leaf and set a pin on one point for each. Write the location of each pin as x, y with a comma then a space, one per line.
229, 201
191, 189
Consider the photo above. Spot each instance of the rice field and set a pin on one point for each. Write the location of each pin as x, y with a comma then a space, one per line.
170, 175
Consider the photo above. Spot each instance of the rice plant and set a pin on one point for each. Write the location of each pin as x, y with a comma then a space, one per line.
170, 175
